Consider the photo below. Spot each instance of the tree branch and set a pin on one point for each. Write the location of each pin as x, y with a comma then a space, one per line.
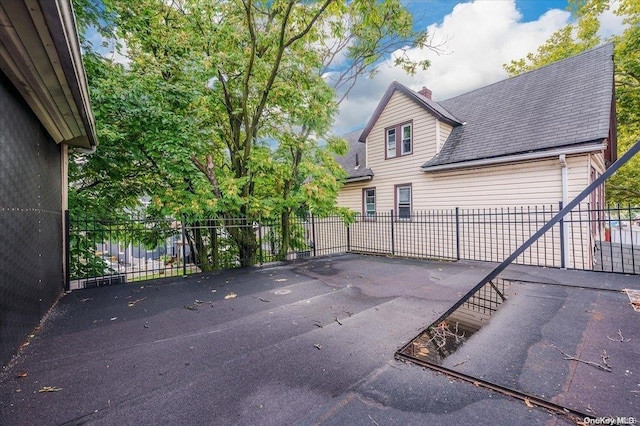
209, 172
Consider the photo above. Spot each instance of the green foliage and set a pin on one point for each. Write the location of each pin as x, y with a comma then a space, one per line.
224, 109
624, 186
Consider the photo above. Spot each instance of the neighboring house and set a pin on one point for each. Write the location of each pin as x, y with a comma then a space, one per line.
44, 108
531, 140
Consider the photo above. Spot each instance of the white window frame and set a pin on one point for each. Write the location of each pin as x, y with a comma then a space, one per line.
402, 205
367, 213
407, 139
391, 143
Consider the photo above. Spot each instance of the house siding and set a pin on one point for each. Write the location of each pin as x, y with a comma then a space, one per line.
31, 274
533, 183
531, 188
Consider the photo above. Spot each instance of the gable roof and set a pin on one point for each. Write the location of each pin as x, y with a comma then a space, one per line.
560, 105
427, 104
357, 150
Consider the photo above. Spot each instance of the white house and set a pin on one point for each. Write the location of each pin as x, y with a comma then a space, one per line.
531, 140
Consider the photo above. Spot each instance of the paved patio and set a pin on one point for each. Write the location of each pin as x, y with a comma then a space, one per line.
313, 342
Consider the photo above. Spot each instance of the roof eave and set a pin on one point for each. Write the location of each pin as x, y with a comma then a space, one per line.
357, 179
40, 54
537, 155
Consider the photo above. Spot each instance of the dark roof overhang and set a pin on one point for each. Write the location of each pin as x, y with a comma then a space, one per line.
40, 54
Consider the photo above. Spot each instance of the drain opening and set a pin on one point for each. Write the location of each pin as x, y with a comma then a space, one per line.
446, 335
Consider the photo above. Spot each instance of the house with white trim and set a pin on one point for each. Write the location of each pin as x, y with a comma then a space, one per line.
535, 139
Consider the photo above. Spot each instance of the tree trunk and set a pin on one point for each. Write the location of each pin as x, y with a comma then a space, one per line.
202, 258
285, 229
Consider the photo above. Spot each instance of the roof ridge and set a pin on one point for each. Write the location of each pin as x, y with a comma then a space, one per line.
555, 63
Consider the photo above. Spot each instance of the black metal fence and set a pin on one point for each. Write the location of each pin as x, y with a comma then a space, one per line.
602, 239
136, 248
108, 251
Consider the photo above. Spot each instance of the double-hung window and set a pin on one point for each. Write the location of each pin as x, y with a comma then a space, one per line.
391, 142
369, 202
399, 140
403, 201
407, 139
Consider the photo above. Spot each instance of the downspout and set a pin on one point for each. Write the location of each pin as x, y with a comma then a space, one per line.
565, 199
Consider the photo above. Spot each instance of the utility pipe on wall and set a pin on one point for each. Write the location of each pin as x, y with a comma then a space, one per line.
565, 199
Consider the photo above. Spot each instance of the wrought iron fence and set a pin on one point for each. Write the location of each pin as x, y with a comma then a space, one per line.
135, 248
107, 251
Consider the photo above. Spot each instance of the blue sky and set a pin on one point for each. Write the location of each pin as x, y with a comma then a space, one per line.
476, 38
428, 12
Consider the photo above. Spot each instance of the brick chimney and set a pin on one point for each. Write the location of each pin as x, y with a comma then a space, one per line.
425, 92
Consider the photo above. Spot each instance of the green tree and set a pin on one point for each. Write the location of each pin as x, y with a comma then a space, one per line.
224, 110
582, 34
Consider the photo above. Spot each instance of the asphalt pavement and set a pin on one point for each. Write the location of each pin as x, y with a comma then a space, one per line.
313, 342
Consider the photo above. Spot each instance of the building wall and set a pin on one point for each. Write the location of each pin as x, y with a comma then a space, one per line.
517, 184
509, 185
31, 274
535, 185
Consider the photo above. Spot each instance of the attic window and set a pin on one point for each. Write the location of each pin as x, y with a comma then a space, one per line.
399, 140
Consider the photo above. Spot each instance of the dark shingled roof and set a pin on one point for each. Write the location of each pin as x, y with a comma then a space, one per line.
348, 161
562, 104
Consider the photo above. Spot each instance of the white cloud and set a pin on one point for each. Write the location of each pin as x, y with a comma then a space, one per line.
480, 37
108, 48
610, 23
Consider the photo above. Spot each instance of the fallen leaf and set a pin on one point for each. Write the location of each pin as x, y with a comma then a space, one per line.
317, 346
213, 291
49, 389
528, 403
133, 303
230, 296
21, 374
280, 280
114, 318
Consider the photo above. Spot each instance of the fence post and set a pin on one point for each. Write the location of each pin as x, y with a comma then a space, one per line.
348, 238
457, 233
67, 250
260, 254
184, 249
563, 250
313, 234
393, 238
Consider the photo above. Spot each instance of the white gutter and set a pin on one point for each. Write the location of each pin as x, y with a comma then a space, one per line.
357, 179
565, 199
518, 157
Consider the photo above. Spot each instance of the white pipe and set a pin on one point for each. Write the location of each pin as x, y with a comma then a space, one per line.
565, 176
565, 199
